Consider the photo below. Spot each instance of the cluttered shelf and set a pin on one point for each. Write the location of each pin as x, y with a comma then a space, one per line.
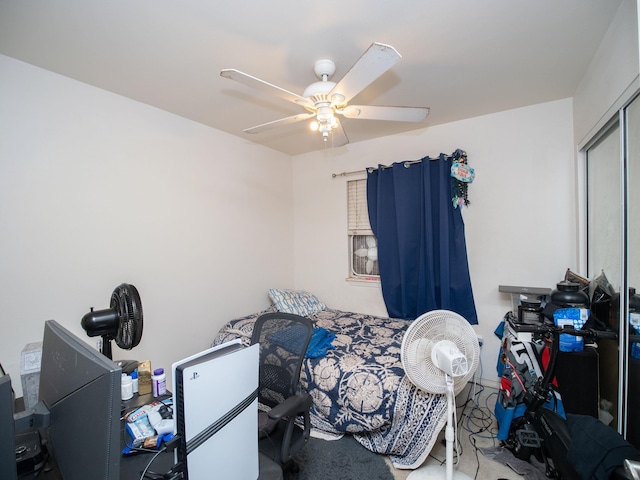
587, 371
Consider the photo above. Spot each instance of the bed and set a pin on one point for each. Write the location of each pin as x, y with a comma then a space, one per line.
359, 387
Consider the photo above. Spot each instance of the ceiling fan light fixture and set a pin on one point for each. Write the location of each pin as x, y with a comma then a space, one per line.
325, 114
337, 100
314, 126
325, 129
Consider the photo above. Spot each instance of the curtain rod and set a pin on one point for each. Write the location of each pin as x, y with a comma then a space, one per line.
406, 163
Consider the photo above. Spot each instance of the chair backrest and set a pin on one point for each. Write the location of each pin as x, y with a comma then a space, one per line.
283, 339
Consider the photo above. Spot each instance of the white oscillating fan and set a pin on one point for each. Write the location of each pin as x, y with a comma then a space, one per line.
440, 353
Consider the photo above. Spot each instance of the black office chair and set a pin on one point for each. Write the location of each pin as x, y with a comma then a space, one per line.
283, 340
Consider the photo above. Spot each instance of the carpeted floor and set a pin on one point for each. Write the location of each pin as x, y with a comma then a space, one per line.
476, 432
482, 456
531, 470
339, 459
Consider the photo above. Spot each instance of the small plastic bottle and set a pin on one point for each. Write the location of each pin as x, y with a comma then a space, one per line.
134, 381
158, 382
126, 388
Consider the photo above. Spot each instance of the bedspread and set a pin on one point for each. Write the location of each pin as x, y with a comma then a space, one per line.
360, 388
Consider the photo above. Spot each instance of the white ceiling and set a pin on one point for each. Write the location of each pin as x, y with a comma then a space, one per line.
461, 58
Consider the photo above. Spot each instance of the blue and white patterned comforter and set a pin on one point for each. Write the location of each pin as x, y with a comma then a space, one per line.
360, 388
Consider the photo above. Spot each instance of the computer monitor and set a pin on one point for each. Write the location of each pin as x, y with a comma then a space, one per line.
81, 389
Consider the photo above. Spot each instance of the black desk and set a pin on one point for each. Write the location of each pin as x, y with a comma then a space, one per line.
132, 466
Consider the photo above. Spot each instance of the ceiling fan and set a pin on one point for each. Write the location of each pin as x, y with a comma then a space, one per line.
324, 99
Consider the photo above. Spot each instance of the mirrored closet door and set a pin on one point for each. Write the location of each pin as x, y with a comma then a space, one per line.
632, 143
613, 259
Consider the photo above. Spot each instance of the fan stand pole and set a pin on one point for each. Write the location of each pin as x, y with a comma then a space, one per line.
449, 432
106, 347
443, 472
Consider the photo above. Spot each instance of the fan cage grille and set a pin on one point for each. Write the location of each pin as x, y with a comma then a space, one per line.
419, 340
359, 264
125, 301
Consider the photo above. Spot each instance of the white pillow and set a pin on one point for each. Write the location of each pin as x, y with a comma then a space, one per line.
297, 302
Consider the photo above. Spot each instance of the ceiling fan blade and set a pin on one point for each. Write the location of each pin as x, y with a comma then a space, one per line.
374, 62
279, 123
374, 112
338, 136
251, 81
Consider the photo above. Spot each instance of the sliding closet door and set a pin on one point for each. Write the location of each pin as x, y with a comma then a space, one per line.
605, 246
604, 213
613, 247
632, 114
632, 143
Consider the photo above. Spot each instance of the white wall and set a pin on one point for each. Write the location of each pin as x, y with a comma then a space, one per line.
96, 190
610, 81
612, 75
519, 226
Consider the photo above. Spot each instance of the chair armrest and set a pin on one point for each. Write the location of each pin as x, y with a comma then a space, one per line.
293, 405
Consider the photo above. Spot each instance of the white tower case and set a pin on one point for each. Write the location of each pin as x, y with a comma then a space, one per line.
216, 412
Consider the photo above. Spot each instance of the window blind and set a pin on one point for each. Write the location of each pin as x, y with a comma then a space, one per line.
358, 222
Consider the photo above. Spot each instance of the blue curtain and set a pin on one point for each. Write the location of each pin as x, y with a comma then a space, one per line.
422, 254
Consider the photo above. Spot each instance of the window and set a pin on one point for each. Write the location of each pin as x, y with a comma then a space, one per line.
363, 248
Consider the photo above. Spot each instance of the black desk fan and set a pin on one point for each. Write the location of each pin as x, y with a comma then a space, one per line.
121, 322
